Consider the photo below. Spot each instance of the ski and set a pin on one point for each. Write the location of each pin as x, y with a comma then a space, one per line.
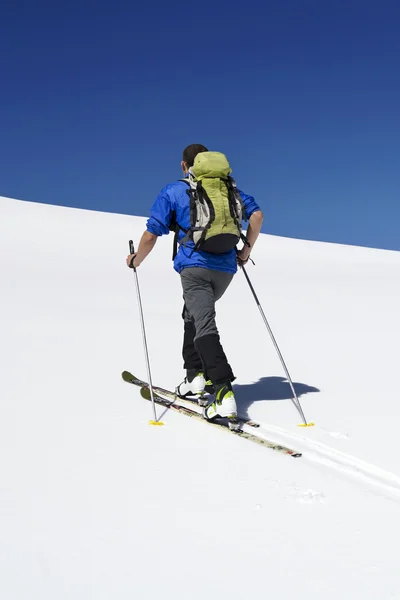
190, 403
169, 400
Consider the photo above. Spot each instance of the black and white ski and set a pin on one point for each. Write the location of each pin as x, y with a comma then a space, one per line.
248, 428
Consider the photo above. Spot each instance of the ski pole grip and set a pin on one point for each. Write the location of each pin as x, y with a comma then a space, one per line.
131, 251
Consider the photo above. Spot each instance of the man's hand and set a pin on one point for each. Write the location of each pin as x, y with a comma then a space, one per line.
252, 233
146, 245
130, 261
243, 256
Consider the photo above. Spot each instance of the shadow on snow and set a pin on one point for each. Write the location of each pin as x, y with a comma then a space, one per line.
268, 389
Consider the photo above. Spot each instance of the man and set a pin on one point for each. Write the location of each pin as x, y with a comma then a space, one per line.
205, 278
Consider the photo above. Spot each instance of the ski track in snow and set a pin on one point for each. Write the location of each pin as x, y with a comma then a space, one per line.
385, 482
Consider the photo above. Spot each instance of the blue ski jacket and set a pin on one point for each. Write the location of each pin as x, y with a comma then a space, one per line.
173, 199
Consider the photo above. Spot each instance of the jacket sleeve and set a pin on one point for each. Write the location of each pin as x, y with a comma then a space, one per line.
161, 213
250, 205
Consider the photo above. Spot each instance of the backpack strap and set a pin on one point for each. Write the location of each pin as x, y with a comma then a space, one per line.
175, 227
234, 196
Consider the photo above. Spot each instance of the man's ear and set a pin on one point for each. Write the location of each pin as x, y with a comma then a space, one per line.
184, 166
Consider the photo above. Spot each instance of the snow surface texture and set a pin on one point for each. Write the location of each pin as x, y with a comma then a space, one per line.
97, 504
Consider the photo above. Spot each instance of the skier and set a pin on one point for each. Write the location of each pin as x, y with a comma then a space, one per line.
205, 275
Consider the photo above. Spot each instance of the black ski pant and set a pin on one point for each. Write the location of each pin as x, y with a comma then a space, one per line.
202, 348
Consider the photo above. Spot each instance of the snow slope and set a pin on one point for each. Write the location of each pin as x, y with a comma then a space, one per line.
97, 504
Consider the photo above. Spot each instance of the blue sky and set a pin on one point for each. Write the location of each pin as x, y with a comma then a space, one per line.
98, 99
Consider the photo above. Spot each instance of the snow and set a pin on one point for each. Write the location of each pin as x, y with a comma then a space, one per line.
96, 503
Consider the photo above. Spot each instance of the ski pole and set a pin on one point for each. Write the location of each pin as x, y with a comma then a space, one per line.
156, 421
295, 399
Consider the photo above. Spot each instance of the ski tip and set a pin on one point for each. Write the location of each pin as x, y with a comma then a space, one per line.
126, 376
145, 393
157, 423
307, 425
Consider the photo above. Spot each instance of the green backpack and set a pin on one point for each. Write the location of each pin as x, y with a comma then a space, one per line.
216, 208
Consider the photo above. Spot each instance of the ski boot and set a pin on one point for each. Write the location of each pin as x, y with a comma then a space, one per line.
224, 405
193, 385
